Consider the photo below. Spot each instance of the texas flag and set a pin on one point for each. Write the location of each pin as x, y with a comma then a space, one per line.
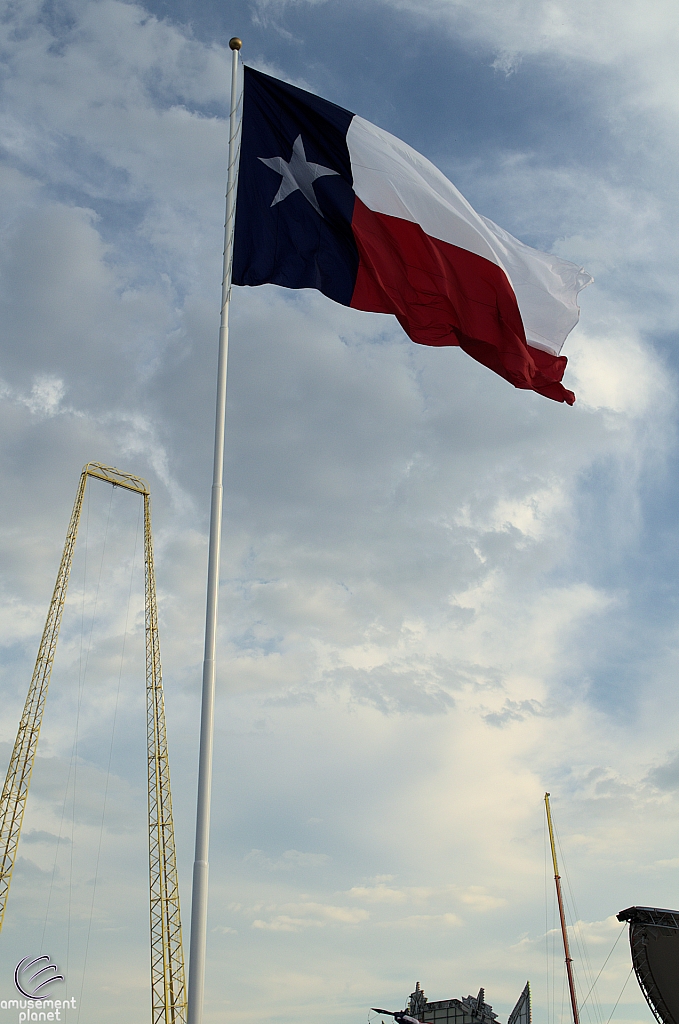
327, 200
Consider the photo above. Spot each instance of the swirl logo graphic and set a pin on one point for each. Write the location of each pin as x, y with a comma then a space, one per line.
28, 986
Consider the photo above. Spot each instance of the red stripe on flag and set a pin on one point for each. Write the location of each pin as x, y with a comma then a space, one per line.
444, 295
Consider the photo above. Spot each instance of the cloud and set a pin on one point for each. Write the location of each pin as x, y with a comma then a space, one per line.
619, 374
393, 690
289, 861
378, 894
475, 897
666, 776
295, 917
25, 866
531, 28
40, 836
513, 711
480, 900
421, 921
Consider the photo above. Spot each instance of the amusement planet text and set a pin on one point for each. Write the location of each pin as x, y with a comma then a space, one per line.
38, 1009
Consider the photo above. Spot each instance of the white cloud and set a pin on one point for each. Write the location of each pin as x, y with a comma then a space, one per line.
619, 374
606, 35
290, 860
428, 921
309, 915
378, 894
46, 395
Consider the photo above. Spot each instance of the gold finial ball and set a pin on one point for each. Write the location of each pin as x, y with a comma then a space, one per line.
235, 43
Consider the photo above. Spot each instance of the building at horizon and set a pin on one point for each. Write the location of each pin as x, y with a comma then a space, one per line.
469, 1010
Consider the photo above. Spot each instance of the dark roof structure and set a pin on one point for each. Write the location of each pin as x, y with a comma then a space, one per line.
654, 942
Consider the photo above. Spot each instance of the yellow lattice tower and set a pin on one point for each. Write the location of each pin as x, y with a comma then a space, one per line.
168, 989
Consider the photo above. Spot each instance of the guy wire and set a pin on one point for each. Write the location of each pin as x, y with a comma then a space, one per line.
624, 926
580, 942
620, 996
110, 757
74, 756
70, 763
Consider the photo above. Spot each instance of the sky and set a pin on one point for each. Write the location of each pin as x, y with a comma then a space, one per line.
440, 596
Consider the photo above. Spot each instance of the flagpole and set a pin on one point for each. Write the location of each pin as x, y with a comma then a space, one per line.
199, 902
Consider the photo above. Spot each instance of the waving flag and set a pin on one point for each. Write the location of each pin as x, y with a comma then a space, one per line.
327, 200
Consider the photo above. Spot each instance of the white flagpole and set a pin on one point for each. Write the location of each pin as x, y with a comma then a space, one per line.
199, 903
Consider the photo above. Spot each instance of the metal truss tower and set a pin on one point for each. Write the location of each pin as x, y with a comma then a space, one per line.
168, 989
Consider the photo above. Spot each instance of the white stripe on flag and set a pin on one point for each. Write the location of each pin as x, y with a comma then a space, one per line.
393, 179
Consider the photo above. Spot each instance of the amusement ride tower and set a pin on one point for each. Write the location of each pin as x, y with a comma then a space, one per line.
168, 988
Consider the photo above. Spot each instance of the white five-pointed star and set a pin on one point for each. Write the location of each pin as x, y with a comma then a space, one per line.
297, 174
